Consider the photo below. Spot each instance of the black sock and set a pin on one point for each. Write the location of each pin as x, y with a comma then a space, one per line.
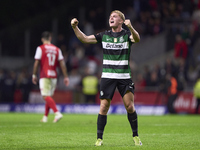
132, 118
101, 123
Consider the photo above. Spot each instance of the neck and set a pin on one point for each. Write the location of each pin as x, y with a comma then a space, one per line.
118, 29
46, 42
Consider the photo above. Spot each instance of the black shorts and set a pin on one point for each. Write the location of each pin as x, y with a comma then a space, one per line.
108, 86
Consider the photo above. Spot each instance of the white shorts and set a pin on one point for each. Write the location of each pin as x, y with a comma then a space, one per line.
47, 86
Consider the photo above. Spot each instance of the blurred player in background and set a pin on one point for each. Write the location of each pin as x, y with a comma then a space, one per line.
196, 92
48, 56
116, 72
172, 92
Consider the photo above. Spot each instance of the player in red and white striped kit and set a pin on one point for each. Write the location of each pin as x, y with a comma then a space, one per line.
48, 57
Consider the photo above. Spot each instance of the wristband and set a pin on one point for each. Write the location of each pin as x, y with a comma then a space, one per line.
34, 76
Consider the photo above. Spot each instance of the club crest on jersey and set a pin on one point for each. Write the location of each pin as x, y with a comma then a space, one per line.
121, 39
115, 40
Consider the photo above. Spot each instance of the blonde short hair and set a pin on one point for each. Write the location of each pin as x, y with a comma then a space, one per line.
119, 13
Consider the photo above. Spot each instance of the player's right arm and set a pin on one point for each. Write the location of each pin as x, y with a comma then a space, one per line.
35, 68
80, 35
135, 37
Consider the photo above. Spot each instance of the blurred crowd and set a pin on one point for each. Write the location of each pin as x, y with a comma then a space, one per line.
180, 19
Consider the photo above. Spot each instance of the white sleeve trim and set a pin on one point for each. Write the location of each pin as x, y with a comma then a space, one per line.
38, 54
60, 56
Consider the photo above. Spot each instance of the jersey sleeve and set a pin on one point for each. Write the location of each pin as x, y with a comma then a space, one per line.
60, 55
98, 37
38, 53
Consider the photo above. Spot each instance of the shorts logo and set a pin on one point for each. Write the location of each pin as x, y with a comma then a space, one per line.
131, 86
101, 93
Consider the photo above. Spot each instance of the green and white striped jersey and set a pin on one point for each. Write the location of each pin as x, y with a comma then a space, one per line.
116, 53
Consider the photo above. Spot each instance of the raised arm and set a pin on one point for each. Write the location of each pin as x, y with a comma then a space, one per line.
135, 37
80, 35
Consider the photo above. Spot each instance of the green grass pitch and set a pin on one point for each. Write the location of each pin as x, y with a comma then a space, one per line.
24, 131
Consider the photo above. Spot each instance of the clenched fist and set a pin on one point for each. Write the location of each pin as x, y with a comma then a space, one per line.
74, 22
127, 22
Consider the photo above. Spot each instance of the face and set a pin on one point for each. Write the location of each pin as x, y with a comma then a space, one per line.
115, 20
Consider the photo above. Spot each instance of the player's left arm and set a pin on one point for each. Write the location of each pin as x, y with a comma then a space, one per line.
35, 68
135, 37
64, 71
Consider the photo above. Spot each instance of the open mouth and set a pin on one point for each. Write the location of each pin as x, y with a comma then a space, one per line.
112, 21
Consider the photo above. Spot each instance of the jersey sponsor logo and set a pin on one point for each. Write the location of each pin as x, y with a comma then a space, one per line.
115, 46
115, 40
108, 45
